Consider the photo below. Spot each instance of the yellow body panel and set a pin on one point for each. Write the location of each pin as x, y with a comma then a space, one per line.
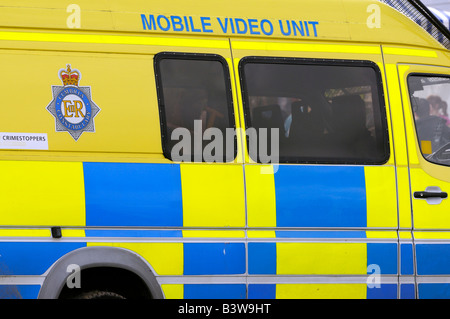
115, 15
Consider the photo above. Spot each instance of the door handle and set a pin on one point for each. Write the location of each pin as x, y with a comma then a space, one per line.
432, 194
420, 195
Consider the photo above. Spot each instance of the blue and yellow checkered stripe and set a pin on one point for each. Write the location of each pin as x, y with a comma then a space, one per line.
325, 258
321, 196
264, 259
179, 201
121, 194
196, 195
171, 195
267, 260
433, 262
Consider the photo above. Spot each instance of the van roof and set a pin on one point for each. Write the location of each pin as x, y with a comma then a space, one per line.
344, 20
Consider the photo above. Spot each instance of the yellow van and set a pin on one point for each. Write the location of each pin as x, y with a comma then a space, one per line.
251, 149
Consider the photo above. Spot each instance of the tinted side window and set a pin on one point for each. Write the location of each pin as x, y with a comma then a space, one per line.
325, 111
195, 107
430, 96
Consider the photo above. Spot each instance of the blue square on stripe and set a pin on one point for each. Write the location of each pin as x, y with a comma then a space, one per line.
214, 258
433, 259
434, 291
406, 259
385, 291
384, 255
262, 258
214, 291
320, 196
133, 194
407, 291
261, 291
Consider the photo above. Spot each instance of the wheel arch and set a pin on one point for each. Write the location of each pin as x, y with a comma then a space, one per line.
96, 257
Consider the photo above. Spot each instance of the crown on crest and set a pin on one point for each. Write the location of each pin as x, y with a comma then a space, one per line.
69, 77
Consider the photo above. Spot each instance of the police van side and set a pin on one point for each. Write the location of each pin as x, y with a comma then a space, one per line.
119, 185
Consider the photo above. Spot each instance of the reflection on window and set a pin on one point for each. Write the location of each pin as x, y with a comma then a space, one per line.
194, 97
325, 112
430, 96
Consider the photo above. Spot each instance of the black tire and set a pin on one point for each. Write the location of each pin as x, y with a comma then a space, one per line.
97, 294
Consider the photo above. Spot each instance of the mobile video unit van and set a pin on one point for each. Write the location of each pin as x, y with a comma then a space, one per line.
250, 149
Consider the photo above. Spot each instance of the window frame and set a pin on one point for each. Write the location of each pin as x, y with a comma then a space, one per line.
321, 62
422, 74
160, 94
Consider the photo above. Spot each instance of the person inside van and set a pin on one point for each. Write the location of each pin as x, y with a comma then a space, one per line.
430, 127
439, 108
351, 138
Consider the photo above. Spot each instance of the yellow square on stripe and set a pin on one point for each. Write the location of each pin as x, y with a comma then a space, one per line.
260, 190
213, 195
42, 193
321, 259
165, 258
321, 291
381, 196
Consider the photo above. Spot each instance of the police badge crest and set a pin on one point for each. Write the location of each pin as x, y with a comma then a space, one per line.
72, 105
